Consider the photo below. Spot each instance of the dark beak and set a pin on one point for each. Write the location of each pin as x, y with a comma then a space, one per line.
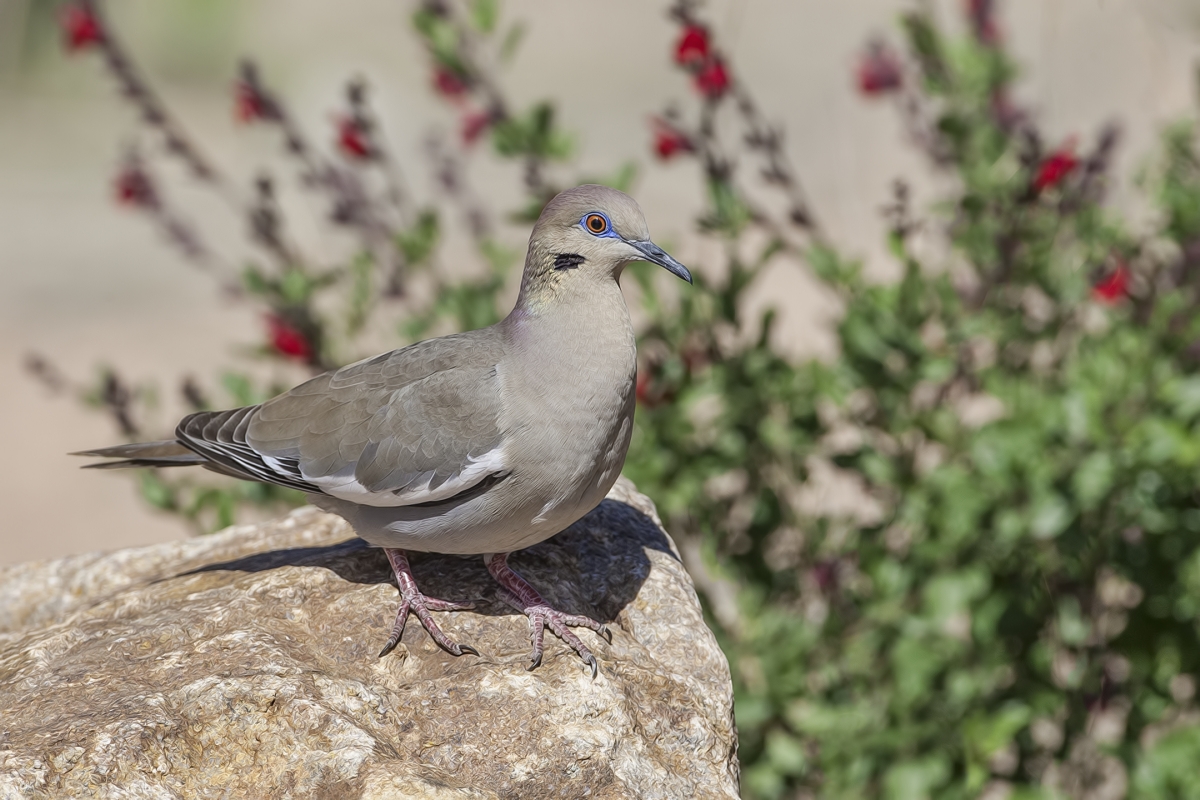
656, 255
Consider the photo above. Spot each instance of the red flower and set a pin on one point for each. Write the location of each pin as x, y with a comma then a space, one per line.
448, 83
1056, 167
288, 340
713, 79
669, 140
474, 124
81, 29
879, 71
353, 139
133, 188
981, 14
650, 389
249, 104
642, 390
692, 47
1112, 287
825, 575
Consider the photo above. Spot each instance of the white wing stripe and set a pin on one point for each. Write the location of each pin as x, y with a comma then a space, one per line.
344, 486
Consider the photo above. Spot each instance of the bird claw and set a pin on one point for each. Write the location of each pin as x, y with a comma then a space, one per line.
421, 606
519, 594
390, 646
413, 600
543, 616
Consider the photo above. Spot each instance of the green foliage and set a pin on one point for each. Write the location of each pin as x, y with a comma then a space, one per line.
442, 37
533, 135
1026, 571
421, 241
471, 304
1169, 767
483, 15
209, 507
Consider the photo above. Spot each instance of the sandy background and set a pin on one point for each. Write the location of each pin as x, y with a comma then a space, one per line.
84, 282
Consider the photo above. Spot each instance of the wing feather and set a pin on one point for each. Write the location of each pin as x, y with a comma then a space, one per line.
412, 426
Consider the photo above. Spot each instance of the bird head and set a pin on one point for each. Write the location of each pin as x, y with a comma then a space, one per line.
590, 233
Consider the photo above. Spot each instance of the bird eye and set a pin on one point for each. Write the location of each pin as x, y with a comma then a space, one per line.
596, 223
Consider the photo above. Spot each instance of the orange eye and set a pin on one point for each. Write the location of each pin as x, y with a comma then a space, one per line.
596, 223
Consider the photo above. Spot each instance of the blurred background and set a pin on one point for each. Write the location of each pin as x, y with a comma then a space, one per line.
84, 282
926, 429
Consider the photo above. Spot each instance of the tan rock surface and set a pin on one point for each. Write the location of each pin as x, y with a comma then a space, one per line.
243, 665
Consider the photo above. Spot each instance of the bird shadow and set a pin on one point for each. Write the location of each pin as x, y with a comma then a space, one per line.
595, 567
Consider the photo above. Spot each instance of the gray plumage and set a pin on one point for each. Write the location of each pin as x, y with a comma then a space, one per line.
482, 442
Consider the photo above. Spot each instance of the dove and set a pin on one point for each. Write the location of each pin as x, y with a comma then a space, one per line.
477, 443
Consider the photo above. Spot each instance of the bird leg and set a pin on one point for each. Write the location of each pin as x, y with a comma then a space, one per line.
517, 592
411, 599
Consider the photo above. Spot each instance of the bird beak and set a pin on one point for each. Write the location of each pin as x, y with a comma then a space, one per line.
656, 255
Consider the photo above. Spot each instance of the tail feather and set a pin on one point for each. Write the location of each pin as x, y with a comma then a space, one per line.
173, 453
129, 463
169, 453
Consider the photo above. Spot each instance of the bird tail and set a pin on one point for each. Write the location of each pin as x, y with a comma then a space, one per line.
169, 453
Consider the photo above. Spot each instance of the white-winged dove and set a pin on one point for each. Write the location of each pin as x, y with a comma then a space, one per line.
482, 442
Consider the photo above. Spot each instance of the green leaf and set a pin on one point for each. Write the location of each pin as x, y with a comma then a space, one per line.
1051, 515
484, 14
831, 267
951, 594
254, 281
819, 720
1093, 479
729, 212
419, 241
241, 389
914, 663
533, 135
925, 41
986, 734
621, 179
441, 37
511, 41
786, 753
1186, 397
362, 269
1168, 769
915, 779
1073, 628
295, 287
155, 492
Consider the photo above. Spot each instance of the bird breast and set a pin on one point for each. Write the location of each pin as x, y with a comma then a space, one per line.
570, 406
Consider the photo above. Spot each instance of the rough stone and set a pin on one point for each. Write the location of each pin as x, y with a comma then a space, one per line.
244, 664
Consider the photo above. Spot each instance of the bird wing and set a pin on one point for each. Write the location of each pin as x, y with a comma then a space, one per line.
416, 425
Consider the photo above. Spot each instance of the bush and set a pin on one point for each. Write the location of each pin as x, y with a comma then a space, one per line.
1010, 608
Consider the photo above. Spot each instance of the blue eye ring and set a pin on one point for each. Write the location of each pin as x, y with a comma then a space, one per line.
597, 224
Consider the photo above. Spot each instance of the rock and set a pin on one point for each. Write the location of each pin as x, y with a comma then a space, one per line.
244, 664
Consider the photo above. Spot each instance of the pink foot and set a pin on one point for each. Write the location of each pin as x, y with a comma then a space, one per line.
517, 592
411, 599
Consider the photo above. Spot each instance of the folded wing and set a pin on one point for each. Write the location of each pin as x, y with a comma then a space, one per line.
418, 425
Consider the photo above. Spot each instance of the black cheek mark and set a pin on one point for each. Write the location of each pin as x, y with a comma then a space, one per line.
568, 260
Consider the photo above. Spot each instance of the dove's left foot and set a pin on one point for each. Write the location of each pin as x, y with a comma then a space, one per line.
517, 592
412, 600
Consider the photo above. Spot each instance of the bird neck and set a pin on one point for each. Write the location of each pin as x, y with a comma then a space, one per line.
555, 271
584, 300
582, 315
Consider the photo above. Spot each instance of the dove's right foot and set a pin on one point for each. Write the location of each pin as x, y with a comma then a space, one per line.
412, 600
